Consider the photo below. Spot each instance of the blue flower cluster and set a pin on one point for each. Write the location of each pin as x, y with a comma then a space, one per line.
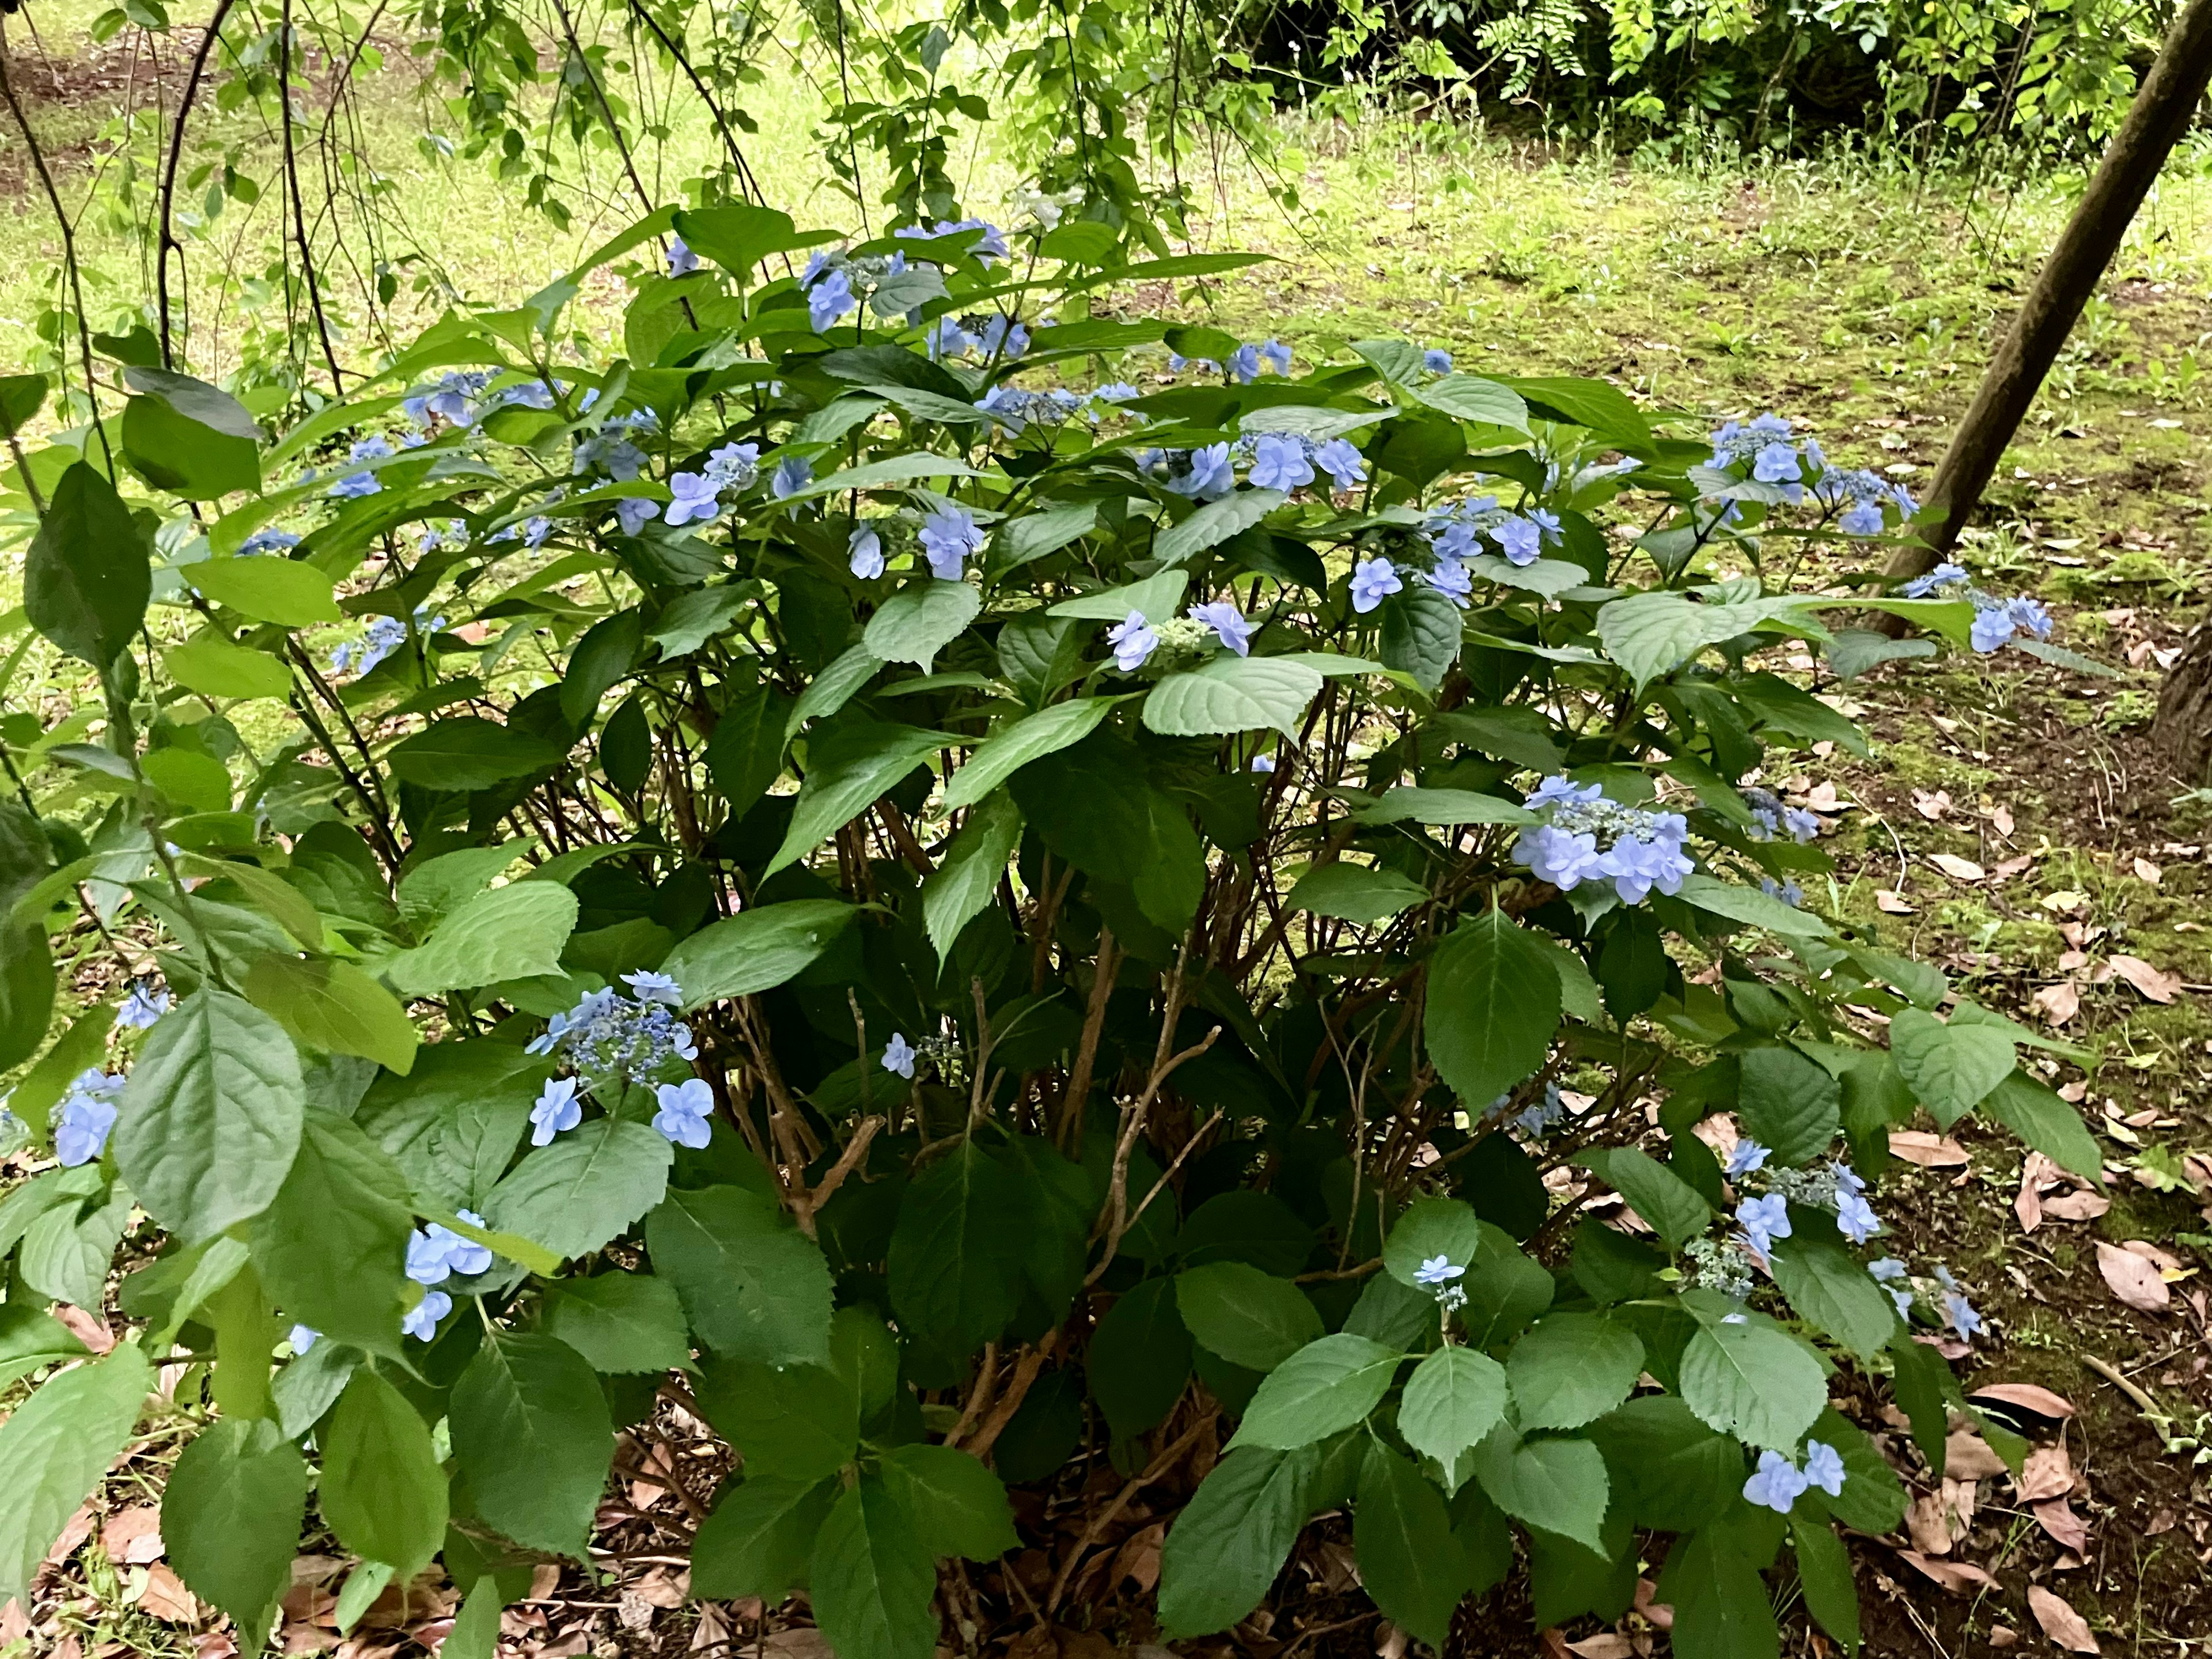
453, 399
1769, 817
267, 541
608, 1034
1778, 1482
1244, 363
1838, 1187
899, 1056
1997, 619
85, 1116
1440, 1276
1013, 407
1959, 1313
995, 337
1455, 532
1643, 850
990, 245
1862, 495
146, 1002
383, 637
1766, 446
354, 485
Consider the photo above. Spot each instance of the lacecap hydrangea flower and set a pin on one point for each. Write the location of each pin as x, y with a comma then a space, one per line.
607, 1034
86, 1115
1585, 837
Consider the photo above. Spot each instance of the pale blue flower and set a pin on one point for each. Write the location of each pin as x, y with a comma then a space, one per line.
1804, 826
635, 512
303, 1337
1244, 364
1748, 1157
1856, 1218
830, 298
1564, 857
1277, 355
684, 1109
1230, 625
1548, 521
1133, 640
681, 261
948, 536
1436, 1270
1861, 518
792, 474
1116, 391
733, 466
692, 499
1211, 475
1451, 579
865, 553
1993, 625
267, 541
1522, 540
1347, 468
946, 339
421, 1320
1943, 575
1373, 581
468, 1257
556, 1111
1279, 463
1888, 1270
426, 1262
1787, 892
1637, 866
1776, 462
2029, 617
1562, 791
899, 1055
612, 454
1263, 762
1960, 1314
1763, 1220
86, 1115
1777, 1484
145, 1003
647, 986
1437, 361
1002, 337
1824, 1467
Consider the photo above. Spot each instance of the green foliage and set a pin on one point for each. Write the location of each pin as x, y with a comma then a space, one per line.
757, 952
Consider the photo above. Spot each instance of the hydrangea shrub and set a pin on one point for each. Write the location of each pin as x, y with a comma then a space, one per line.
960, 886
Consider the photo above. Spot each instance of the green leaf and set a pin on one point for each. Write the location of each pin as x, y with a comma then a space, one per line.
1327, 1385
1432, 1227
1675, 1209
623, 1322
919, 620
1719, 1600
1830, 1290
1005, 751
1597, 405
1549, 577
1442, 807
1230, 693
1452, 1401
2033, 1111
1474, 398
753, 1285
758, 1538
1653, 633
532, 1436
1248, 1317
755, 950
87, 579
792, 1422
214, 667
1140, 1358
210, 1118
847, 770
382, 1491
286, 592
1421, 635
574, 1195
231, 1509
187, 437
1789, 1105
67, 1253
465, 753
745, 754
1750, 907
1561, 1486
870, 1578
1223, 1552
1395, 1529
31, 1339
1824, 1569
56, 1446
1353, 892
474, 1634
1493, 1003
740, 236
957, 1250
893, 470
515, 932
1569, 1369
1017, 541
330, 1247
1155, 599
967, 876
957, 1507
1669, 1470
334, 1006
1215, 523
1754, 1382
1952, 1068
1873, 1499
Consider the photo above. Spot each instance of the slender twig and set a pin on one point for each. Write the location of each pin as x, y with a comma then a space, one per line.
166, 237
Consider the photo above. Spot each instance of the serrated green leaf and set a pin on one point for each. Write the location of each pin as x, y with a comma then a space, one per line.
753, 1286
957, 1250
1327, 1385
1788, 1104
1395, 1527
574, 1195
1561, 1486
967, 876
1452, 1401
847, 770
1493, 1003
382, 1491
956, 1506
1248, 1317
469, 753
1952, 1068
515, 932
1754, 1382
334, 1006
1005, 751
87, 578
622, 1322
871, 1579
758, 1541
1223, 1552
755, 950
1215, 523
286, 592
231, 1511
332, 1243
919, 620
530, 1433
1569, 1369
56, 1446
1229, 694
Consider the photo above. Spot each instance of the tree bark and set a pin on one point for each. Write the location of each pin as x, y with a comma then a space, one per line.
2181, 736
2161, 113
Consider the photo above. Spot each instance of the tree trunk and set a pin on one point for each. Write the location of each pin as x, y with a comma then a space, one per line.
2181, 736
2161, 113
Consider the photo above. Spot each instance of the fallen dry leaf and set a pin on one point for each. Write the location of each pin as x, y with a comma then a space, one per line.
75, 1531
1929, 1151
2134, 1279
2060, 1622
2065, 902
2028, 1396
2010, 868
803, 1643
88, 1328
1658, 1613
1927, 1523
1957, 868
1552, 1640
133, 1536
2048, 1473
2154, 983
1959, 1577
1931, 807
1967, 1456
2148, 871
2165, 1261
166, 1598
2003, 1636
1892, 904
2001, 816
2057, 1003
2028, 1206
2056, 1516
2076, 1206
1606, 1645
216, 1644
